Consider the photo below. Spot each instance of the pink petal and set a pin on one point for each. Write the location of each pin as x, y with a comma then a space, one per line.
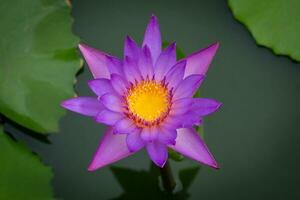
111, 149
84, 105
198, 62
152, 38
96, 61
189, 143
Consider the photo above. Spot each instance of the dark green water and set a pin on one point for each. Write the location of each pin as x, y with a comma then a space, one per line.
255, 137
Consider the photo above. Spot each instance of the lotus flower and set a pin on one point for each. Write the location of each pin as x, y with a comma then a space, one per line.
146, 100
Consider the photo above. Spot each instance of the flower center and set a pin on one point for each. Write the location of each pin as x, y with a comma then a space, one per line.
148, 102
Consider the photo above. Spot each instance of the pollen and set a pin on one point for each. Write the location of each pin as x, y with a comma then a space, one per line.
148, 102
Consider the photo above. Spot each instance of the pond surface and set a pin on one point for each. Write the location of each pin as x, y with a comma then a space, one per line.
255, 136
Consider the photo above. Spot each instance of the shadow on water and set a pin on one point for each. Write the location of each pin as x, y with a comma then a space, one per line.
12, 128
148, 185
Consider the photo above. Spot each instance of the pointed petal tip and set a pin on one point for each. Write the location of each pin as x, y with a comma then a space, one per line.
153, 17
128, 38
92, 167
90, 82
152, 38
190, 144
215, 46
67, 104
160, 164
220, 105
64, 103
214, 165
130, 41
172, 46
199, 61
83, 47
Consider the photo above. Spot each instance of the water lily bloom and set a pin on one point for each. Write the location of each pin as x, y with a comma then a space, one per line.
146, 100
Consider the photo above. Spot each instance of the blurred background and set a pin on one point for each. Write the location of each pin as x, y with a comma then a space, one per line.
254, 137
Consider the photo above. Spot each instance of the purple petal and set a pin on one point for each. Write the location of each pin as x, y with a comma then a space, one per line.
84, 105
111, 149
145, 63
165, 62
198, 62
131, 49
152, 38
188, 119
181, 106
167, 136
108, 117
112, 102
115, 65
149, 134
131, 70
101, 86
204, 106
175, 74
124, 126
119, 84
134, 141
189, 143
158, 153
188, 86
171, 122
96, 61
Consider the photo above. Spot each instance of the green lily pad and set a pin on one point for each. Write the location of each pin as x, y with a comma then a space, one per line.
273, 23
22, 175
38, 62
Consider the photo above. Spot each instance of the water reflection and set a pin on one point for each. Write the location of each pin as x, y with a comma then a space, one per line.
148, 185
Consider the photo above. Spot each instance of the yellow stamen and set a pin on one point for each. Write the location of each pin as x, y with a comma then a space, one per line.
148, 101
